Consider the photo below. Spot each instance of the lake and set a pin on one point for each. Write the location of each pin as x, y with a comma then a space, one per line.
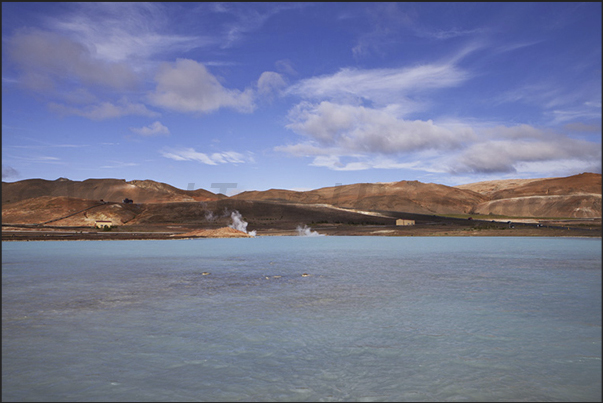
303, 319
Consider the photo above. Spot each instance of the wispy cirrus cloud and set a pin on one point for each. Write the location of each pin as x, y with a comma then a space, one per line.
41, 159
154, 129
389, 23
104, 110
240, 19
119, 32
119, 164
381, 86
190, 154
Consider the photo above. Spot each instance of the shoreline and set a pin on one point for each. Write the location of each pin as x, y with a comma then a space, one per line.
406, 236
418, 231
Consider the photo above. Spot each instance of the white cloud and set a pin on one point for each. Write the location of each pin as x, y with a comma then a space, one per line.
154, 129
48, 59
358, 162
334, 162
119, 32
389, 22
357, 129
346, 137
502, 156
104, 110
187, 86
119, 165
189, 154
582, 127
246, 17
382, 86
285, 66
270, 83
357, 119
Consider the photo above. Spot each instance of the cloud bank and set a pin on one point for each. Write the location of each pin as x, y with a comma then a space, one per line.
358, 119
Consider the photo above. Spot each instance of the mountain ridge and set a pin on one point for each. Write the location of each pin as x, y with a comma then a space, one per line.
39, 200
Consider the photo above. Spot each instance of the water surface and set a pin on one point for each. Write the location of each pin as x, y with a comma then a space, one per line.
375, 319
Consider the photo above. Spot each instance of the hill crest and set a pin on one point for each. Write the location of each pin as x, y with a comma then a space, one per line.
576, 196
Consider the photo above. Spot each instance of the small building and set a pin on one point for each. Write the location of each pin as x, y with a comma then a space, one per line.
405, 222
103, 224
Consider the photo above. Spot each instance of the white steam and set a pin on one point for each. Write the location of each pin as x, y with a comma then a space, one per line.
239, 224
307, 231
209, 216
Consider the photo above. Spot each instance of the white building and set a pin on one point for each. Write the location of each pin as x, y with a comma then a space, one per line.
103, 223
405, 222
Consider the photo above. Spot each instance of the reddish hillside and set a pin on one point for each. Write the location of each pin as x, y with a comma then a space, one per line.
577, 196
586, 183
66, 211
487, 188
114, 190
407, 196
560, 206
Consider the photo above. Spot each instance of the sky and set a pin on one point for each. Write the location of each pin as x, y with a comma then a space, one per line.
231, 97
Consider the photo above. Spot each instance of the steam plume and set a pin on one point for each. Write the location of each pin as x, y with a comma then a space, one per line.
209, 216
239, 224
306, 231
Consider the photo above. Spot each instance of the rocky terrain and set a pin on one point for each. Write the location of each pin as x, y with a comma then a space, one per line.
143, 191
162, 208
405, 196
577, 196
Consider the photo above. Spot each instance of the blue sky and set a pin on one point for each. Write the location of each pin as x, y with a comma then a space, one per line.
300, 95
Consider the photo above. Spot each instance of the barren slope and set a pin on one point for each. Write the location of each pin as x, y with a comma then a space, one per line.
407, 196
586, 183
577, 196
487, 188
78, 212
115, 190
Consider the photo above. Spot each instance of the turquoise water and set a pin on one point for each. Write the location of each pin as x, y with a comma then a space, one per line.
376, 319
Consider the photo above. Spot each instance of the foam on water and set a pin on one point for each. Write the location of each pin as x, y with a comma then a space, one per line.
376, 319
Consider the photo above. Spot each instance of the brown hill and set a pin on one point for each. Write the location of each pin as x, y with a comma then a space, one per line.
487, 188
259, 214
114, 190
38, 201
408, 196
577, 196
562, 206
66, 211
585, 183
